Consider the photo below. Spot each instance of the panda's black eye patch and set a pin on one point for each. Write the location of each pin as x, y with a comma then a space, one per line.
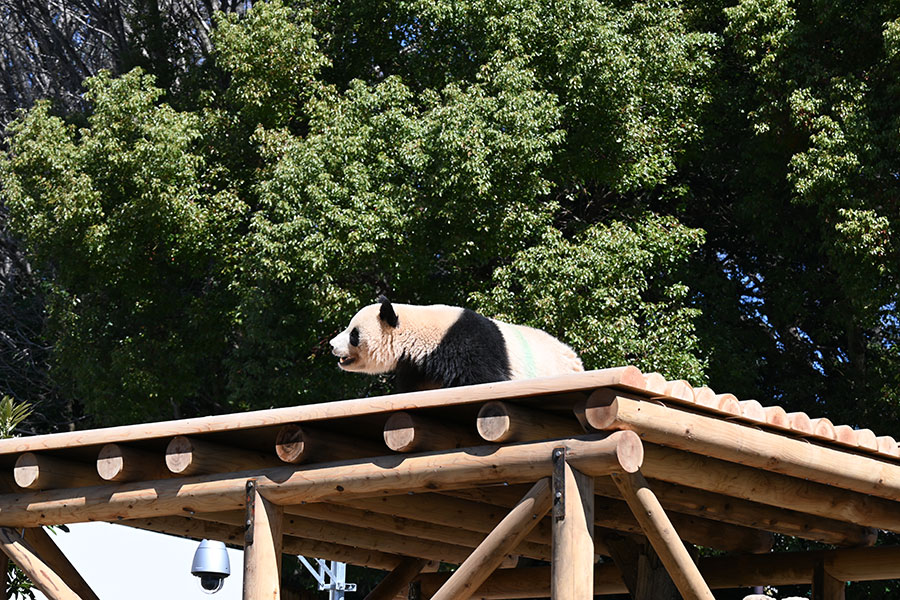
354, 336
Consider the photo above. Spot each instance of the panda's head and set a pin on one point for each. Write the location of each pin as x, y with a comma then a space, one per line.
366, 346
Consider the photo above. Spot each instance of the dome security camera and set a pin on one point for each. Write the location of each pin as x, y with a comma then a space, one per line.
211, 565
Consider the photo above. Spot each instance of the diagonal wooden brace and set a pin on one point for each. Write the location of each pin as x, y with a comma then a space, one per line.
659, 530
44, 564
492, 551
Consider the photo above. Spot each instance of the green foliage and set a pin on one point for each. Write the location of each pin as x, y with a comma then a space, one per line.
12, 414
612, 293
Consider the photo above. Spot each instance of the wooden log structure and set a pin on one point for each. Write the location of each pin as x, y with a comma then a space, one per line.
485, 559
410, 432
606, 409
119, 463
783, 568
38, 570
463, 479
518, 463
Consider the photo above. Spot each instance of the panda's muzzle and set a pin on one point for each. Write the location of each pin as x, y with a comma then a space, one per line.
346, 360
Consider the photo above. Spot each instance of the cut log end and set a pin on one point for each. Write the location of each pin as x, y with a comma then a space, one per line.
400, 433
290, 445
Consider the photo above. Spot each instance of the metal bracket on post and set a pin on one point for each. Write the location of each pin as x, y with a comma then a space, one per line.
250, 504
558, 481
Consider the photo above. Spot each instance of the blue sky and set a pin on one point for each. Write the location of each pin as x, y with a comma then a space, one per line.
120, 562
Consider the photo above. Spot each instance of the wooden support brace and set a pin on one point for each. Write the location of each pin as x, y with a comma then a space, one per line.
262, 547
397, 580
504, 422
35, 471
39, 569
572, 565
410, 432
662, 536
506, 536
642, 571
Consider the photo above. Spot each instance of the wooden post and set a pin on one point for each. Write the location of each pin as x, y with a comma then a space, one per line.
825, 586
35, 567
662, 536
572, 565
506, 536
397, 580
262, 547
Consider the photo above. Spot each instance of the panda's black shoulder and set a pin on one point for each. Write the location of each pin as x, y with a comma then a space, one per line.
471, 351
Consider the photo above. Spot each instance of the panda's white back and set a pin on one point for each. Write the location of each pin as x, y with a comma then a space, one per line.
535, 353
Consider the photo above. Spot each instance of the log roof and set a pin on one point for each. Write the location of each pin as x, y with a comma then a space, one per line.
425, 475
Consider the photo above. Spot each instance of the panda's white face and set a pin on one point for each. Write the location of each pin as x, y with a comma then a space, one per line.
365, 346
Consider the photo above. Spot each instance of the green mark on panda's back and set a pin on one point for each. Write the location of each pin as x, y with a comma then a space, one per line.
527, 355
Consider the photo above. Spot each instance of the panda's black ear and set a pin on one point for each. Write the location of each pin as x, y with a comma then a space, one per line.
386, 313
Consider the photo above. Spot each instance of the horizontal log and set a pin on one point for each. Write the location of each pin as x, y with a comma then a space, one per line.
744, 445
629, 377
120, 463
410, 432
478, 517
680, 390
718, 508
765, 487
615, 515
297, 444
358, 537
43, 472
234, 535
192, 456
504, 422
452, 469
783, 568
409, 527
655, 384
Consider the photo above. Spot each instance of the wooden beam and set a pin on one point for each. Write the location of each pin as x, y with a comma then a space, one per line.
232, 534
371, 520
572, 566
410, 432
193, 456
615, 515
737, 443
38, 570
505, 422
262, 547
453, 469
476, 394
437, 509
43, 472
662, 536
297, 444
120, 463
490, 553
398, 580
765, 487
718, 509
362, 537
781, 568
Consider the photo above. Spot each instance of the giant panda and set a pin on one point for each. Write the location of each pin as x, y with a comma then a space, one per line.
446, 346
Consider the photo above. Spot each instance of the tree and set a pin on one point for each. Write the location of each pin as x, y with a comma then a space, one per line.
196, 260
